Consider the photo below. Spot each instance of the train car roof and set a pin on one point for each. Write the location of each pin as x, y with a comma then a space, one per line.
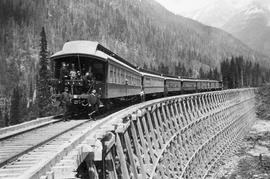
152, 75
149, 71
91, 48
88, 48
172, 78
197, 80
78, 47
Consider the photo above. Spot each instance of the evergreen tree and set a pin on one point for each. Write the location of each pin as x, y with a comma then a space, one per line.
145, 66
177, 69
6, 118
190, 74
163, 69
232, 75
43, 76
31, 91
2, 122
13, 75
183, 70
15, 107
210, 74
201, 73
238, 73
216, 74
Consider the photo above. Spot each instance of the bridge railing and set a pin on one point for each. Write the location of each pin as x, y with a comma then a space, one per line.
175, 137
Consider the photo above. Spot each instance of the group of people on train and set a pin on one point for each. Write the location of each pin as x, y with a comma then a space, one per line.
70, 73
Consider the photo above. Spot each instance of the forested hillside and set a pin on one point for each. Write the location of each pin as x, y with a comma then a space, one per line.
141, 31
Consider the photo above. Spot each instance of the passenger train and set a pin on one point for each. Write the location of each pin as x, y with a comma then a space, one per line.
93, 75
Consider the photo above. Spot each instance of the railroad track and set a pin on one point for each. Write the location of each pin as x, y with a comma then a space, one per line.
26, 150
28, 147
18, 129
17, 145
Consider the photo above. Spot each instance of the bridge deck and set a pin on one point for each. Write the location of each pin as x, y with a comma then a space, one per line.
175, 137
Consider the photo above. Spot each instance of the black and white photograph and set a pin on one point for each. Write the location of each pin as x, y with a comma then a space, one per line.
134, 89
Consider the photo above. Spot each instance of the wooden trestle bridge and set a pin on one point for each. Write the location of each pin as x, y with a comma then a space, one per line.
176, 137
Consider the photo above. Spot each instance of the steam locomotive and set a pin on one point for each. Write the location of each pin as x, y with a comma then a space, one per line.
94, 76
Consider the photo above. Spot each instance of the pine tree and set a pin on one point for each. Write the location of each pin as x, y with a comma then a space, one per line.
6, 118
201, 73
210, 74
15, 107
13, 75
215, 74
2, 122
145, 66
43, 76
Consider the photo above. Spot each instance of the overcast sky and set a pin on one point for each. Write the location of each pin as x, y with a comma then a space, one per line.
184, 6
180, 6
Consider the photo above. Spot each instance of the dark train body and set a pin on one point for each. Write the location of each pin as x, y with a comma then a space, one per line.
93, 75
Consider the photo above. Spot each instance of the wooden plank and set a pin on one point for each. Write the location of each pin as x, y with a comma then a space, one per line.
130, 154
182, 112
177, 116
186, 114
173, 118
149, 142
162, 125
160, 137
170, 120
144, 145
122, 158
190, 110
166, 122
136, 145
152, 130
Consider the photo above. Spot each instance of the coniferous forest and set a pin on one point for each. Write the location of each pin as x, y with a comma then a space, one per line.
141, 31
238, 72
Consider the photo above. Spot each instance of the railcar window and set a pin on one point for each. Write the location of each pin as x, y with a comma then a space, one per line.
122, 76
111, 74
129, 78
114, 75
119, 76
125, 74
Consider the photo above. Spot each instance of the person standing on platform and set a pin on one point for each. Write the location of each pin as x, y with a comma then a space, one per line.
63, 75
66, 104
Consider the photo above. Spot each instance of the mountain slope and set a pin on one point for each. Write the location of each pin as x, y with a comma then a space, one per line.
143, 32
213, 13
252, 26
247, 20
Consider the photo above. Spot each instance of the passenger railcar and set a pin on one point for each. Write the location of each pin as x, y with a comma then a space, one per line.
172, 85
152, 84
122, 80
93, 75
188, 85
110, 77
